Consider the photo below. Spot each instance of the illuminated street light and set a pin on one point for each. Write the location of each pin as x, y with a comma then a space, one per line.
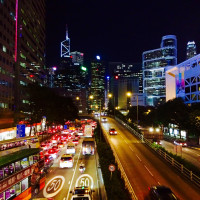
91, 97
77, 98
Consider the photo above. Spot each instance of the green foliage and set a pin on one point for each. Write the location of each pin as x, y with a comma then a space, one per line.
45, 102
179, 159
114, 185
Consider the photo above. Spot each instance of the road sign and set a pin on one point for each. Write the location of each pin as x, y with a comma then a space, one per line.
21, 130
111, 168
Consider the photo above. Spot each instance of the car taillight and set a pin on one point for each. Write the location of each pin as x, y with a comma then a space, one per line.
46, 160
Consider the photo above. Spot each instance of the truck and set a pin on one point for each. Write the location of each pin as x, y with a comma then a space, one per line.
88, 131
152, 134
88, 146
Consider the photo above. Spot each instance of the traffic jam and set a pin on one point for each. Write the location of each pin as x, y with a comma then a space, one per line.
61, 150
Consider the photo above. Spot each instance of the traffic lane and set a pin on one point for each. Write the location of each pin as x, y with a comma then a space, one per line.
157, 168
88, 178
59, 178
192, 155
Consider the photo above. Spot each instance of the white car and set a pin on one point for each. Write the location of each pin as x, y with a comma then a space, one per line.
104, 119
66, 161
70, 148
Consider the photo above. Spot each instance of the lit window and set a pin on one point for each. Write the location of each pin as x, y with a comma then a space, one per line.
4, 48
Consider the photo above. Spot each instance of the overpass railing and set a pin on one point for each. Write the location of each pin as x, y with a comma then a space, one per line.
180, 167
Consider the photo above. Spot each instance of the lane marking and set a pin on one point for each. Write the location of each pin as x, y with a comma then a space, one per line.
138, 158
131, 148
148, 170
72, 177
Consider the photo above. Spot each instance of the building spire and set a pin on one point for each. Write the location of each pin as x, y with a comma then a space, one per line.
67, 37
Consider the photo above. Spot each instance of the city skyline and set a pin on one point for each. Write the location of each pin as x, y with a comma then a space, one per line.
119, 32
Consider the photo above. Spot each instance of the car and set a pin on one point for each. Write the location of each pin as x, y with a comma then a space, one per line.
44, 146
161, 193
81, 197
157, 141
104, 119
61, 144
75, 141
180, 142
66, 161
48, 160
82, 190
70, 148
53, 153
112, 131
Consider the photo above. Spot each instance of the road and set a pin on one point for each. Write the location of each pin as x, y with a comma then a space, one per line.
192, 155
144, 168
60, 182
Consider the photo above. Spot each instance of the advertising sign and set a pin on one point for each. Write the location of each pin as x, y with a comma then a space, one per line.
21, 130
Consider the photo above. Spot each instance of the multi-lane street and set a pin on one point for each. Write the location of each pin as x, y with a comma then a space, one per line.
60, 181
190, 154
144, 168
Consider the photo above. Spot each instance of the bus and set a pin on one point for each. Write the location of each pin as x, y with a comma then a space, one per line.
22, 174
19, 142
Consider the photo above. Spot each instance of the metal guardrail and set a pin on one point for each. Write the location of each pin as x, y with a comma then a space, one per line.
120, 167
180, 167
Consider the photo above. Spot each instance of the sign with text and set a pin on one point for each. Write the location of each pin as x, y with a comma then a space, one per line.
21, 130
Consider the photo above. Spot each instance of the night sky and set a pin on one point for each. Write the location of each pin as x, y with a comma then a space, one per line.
120, 30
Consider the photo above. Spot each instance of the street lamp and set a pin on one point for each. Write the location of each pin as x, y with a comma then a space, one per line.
128, 94
110, 96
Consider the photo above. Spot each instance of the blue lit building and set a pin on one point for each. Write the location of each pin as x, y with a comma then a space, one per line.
183, 80
154, 63
191, 49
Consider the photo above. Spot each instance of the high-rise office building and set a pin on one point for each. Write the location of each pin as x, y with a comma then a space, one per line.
125, 77
154, 64
98, 82
191, 50
77, 57
70, 79
22, 53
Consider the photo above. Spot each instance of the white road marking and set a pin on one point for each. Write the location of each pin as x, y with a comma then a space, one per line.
69, 182
126, 141
138, 158
148, 170
158, 183
130, 148
72, 178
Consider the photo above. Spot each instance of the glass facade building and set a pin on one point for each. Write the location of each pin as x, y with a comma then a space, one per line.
22, 54
98, 83
154, 63
191, 50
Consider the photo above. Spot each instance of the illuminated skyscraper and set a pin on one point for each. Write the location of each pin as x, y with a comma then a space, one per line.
154, 64
191, 50
22, 53
70, 77
65, 46
98, 81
